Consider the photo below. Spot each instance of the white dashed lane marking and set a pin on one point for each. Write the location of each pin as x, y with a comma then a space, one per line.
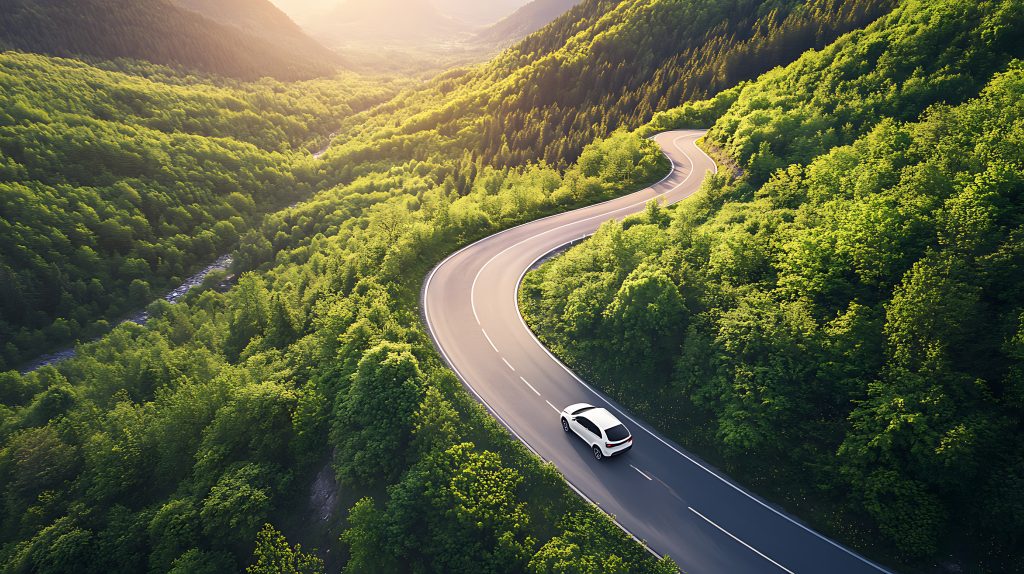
531, 386
642, 473
486, 336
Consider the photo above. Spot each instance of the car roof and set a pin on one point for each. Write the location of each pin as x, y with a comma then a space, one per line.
601, 417
577, 407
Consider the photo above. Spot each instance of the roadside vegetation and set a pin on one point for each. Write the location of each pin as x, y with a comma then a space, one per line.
169, 447
839, 326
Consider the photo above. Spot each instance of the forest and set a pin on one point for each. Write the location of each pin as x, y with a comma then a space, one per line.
835, 320
174, 447
622, 60
838, 322
113, 186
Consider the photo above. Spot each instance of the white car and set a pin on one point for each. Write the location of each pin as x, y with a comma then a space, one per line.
602, 432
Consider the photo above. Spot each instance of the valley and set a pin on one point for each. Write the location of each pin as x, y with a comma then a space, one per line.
779, 240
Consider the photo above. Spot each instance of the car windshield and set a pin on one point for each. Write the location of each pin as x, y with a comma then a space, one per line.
583, 410
617, 432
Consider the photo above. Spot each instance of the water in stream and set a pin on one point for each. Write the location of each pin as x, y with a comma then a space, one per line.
141, 316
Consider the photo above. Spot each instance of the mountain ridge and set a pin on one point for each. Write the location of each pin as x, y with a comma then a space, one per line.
524, 21
162, 32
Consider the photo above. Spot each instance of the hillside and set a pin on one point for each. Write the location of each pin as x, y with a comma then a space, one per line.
839, 323
601, 66
524, 21
190, 444
262, 19
159, 31
113, 186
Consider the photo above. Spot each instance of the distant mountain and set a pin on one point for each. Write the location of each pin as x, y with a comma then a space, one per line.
264, 20
245, 39
302, 10
525, 21
478, 12
388, 22
256, 16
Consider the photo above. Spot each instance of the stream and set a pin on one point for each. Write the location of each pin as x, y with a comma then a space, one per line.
141, 316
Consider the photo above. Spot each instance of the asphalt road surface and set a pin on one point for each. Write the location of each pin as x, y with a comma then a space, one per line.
664, 496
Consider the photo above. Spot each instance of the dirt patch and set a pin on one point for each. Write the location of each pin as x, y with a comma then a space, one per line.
324, 495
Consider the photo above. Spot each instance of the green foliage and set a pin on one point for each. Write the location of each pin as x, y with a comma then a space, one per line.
237, 504
922, 53
114, 187
273, 555
605, 66
847, 327
456, 510
578, 550
694, 115
197, 561
372, 419
54, 548
183, 437
166, 447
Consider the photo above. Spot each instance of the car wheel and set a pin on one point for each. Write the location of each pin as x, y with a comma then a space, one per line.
565, 425
597, 453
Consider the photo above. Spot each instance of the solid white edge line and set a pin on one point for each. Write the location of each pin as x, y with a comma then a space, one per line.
511, 430
472, 290
490, 341
731, 535
822, 537
644, 474
531, 386
606, 216
433, 336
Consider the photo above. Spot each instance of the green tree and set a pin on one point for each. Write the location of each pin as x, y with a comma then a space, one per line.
236, 505
643, 322
372, 425
249, 315
573, 550
273, 555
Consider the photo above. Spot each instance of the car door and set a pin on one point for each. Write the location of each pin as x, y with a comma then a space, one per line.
588, 430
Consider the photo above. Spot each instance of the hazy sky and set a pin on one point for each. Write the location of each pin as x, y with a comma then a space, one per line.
472, 11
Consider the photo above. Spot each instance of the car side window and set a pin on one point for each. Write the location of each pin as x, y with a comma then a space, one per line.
588, 425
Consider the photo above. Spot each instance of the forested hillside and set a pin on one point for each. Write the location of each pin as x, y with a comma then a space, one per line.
164, 32
114, 186
167, 448
840, 323
601, 66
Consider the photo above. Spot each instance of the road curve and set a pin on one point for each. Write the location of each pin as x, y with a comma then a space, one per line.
678, 505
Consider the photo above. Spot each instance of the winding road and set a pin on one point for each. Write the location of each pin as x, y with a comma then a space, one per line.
662, 495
